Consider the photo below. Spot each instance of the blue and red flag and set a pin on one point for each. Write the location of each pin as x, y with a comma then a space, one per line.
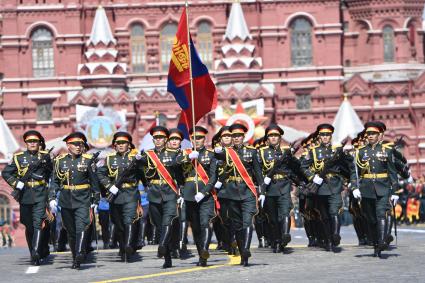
204, 91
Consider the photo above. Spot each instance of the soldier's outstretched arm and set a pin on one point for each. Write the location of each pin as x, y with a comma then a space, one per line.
10, 173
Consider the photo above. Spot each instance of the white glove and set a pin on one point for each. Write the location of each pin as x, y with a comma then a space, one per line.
218, 185
113, 190
53, 206
267, 180
20, 185
410, 180
317, 180
194, 155
218, 149
199, 196
357, 194
394, 199
261, 199
180, 201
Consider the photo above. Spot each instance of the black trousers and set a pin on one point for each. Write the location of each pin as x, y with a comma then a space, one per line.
75, 221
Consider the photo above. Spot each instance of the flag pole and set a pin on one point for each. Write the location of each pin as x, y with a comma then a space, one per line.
191, 92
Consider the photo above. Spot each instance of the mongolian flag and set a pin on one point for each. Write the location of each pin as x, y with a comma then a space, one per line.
204, 91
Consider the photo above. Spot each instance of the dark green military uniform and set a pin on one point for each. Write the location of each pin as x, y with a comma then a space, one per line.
75, 178
199, 214
378, 178
34, 195
162, 197
124, 205
278, 202
329, 200
242, 201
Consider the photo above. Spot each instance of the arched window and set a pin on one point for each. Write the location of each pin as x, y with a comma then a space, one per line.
205, 43
43, 64
138, 48
166, 40
4, 209
301, 49
388, 36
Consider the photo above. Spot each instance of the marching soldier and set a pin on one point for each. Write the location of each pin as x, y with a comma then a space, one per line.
120, 176
198, 197
241, 165
378, 181
329, 184
28, 174
75, 177
174, 142
218, 176
277, 189
163, 191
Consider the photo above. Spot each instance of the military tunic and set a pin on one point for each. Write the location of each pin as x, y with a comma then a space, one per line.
242, 201
124, 204
278, 193
162, 198
75, 178
378, 176
329, 191
34, 195
203, 212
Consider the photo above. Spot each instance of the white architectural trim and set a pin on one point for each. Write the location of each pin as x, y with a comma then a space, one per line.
300, 14
304, 79
42, 89
44, 96
33, 26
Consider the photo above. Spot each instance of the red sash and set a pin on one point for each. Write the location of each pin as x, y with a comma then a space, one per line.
162, 170
242, 170
204, 177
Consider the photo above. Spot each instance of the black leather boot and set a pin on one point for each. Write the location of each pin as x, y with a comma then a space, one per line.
36, 245
167, 260
239, 242
183, 240
128, 236
164, 240
141, 235
79, 248
382, 245
206, 240
113, 237
246, 253
335, 226
286, 227
389, 226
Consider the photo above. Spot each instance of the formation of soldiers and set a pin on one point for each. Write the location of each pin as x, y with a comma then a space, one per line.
226, 190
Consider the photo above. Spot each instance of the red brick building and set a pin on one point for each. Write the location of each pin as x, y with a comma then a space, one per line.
300, 56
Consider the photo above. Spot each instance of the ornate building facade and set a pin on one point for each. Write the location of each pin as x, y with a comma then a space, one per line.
300, 56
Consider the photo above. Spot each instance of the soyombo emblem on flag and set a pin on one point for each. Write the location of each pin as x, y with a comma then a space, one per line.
204, 91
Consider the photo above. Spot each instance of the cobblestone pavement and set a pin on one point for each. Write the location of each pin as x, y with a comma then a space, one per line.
351, 263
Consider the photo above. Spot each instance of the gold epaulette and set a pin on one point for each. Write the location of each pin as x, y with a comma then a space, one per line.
170, 149
60, 156
388, 145
284, 147
263, 147
44, 151
250, 147
210, 150
87, 155
111, 154
19, 153
335, 146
